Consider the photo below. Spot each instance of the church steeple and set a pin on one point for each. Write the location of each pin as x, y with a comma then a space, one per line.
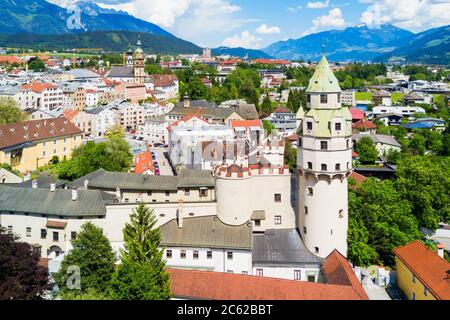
323, 80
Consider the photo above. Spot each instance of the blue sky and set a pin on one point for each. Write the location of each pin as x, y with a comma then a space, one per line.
258, 23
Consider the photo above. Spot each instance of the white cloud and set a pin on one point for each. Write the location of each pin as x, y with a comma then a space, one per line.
264, 29
334, 19
294, 9
245, 39
193, 20
318, 4
411, 14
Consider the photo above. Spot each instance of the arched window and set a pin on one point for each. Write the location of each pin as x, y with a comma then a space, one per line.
310, 166
324, 167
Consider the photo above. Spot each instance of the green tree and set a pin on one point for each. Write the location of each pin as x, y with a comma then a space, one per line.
248, 92
417, 145
425, 183
10, 112
266, 106
378, 207
142, 274
37, 65
197, 90
290, 155
366, 150
93, 255
268, 127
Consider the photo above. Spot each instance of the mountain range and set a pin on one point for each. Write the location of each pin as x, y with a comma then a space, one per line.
55, 25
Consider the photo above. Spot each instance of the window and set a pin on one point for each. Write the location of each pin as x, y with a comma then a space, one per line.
195, 254
127, 200
348, 143
229, 271
323, 145
245, 272
413, 296
338, 167
259, 273
230, 255
308, 98
187, 192
310, 165
277, 197
44, 153
310, 191
55, 236
28, 232
414, 278
183, 254
167, 193
323, 98
311, 278
169, 254
305, 231
43, 233
425, 291
316, 249
324, 167
337, 126
54, 142
306, 210
297, 275
339, 98
348, 165
277, 219
299, 142
341, 214
257, 223
208, 254
203, 193
10, 229
309, 125
73, 235
54, 151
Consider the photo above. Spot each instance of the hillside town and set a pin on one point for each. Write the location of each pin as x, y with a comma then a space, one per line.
272, 179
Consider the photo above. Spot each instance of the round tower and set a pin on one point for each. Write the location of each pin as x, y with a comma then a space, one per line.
324, 163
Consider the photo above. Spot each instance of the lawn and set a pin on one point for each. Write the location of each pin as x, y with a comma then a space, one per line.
363, 95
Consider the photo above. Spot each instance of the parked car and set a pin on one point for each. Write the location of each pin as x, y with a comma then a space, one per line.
157, 172
156, 145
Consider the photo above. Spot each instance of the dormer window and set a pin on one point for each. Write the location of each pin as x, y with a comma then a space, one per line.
308, 98
309, 125
337, 126
323, 98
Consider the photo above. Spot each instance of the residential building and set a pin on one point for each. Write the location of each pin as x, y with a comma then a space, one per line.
284, 121
103, 119
132, 92
154, 130
421, 273
383, 143
382, 98
167, 83
348, 98
45, 96
7, 177
405, 111
143, 163
82, 119
28, 145
390, 119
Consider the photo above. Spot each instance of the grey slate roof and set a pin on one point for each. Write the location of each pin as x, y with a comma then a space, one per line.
44, 181
206, 232
379, 138
121, 72
102, 179
83, 74
282, 247
198, 104
215, 113
58, 203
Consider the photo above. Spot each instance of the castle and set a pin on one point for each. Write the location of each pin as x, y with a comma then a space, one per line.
240, 219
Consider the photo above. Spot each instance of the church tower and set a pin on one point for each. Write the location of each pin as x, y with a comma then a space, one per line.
324, 162
139, 65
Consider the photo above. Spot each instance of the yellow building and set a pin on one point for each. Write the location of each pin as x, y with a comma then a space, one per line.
28, 145
421, 273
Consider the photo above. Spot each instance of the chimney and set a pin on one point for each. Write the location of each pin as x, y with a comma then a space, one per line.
35, 184
52, 187
180, 214
440, 250
74, 195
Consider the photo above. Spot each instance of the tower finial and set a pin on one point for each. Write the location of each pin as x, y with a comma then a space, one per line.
323, 49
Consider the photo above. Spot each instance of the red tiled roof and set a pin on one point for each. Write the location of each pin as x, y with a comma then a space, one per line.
56, 224
230, 62
38, 87
293, 137
70, 114
185, 119
365, 124
428, 267
10, 60
228, 286
246, 123
35, 130
338, 271
143, 162
282, 110
272, 61
357, 114
163, 80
